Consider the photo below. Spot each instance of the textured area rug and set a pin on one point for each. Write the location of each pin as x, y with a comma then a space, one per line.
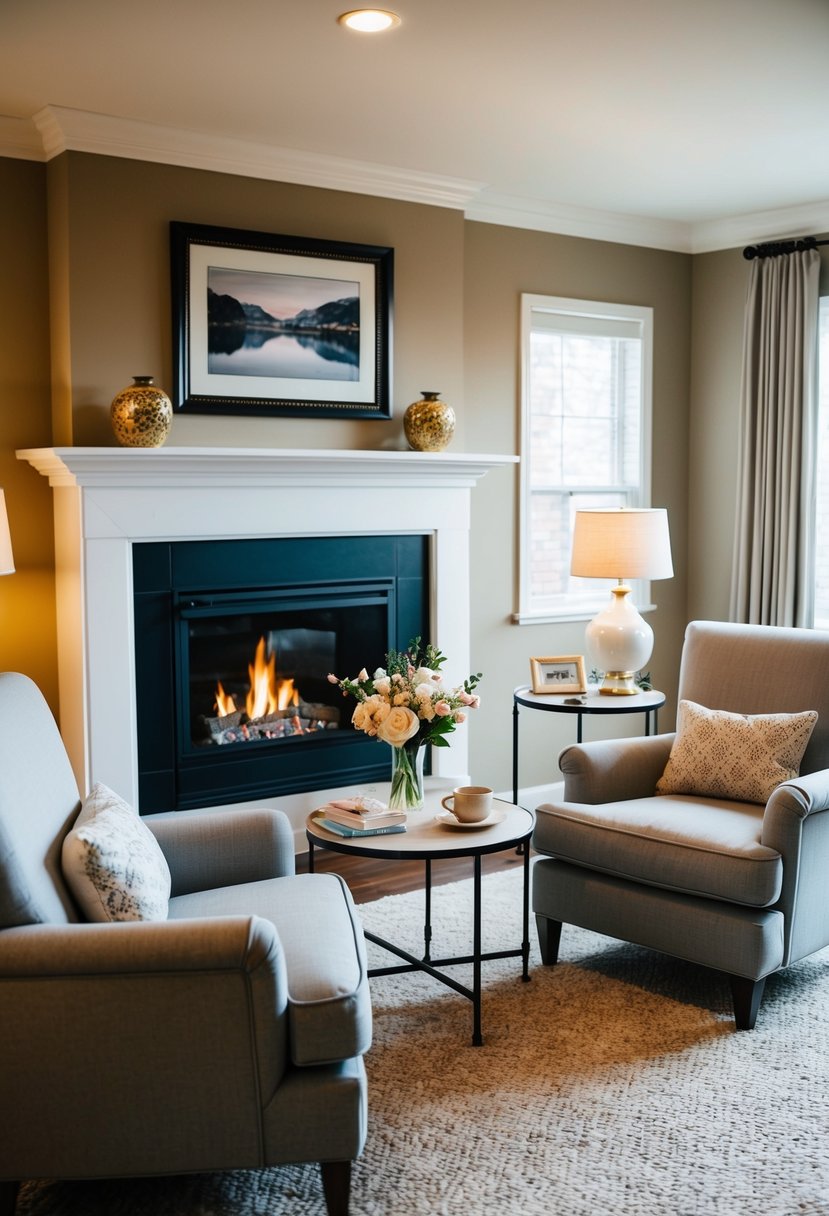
612, 1083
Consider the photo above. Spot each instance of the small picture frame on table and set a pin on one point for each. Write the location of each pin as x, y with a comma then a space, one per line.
563, 673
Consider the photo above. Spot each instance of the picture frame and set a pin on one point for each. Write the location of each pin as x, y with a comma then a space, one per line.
310, 336
562, 673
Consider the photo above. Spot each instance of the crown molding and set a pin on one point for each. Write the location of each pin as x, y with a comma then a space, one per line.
19, 139
810, 219
57, 129
65, 129
516, 212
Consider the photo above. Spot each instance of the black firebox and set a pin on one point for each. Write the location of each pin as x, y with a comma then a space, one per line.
234, 640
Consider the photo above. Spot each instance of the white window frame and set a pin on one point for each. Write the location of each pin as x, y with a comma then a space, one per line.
594, 313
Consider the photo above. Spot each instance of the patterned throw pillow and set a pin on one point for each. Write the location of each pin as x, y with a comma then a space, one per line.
113, 864
743, 757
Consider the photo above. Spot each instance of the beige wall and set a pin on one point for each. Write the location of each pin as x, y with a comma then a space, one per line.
27, 598
719, 288
457, 288
117, 317
500, 264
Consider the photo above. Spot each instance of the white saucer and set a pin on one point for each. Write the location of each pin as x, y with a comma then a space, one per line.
449, 821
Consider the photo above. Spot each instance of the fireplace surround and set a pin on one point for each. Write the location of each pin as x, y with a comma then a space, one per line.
108, 501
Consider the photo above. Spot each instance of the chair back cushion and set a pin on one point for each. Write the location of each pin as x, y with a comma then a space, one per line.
38, 804
760, 669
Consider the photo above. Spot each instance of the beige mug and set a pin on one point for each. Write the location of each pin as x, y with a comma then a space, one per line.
470, 803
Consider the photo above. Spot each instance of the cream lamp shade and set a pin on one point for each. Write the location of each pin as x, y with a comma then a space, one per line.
6, 555
622, 543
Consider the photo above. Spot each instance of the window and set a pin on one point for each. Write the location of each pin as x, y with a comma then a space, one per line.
822, 489
586, 391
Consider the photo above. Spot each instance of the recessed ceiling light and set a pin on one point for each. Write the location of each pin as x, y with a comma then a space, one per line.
369, 20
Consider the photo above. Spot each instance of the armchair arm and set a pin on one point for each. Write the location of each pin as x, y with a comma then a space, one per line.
139, 1047
789, 806
794, 823
613, 770
209, 849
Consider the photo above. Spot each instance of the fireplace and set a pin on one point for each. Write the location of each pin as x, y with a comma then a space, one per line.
233, 644
111, 502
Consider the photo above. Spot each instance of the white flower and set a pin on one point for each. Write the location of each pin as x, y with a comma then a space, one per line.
423, 692
363, 676
380, 674
423, 675
398, 726
382, 685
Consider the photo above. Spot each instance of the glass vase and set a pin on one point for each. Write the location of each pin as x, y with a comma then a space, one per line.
407, 776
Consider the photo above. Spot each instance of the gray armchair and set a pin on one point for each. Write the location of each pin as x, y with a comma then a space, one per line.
227, 1036
737, 886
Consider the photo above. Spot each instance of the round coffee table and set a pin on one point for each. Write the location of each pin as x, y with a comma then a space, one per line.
427, 840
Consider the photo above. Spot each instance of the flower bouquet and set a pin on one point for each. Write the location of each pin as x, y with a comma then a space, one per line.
407, 705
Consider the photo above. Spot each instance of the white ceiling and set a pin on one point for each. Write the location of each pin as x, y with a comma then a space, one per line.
686, 124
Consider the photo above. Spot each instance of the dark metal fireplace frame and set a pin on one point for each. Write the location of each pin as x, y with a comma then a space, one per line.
176, 583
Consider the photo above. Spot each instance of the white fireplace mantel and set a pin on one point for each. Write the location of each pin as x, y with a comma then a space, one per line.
107, 499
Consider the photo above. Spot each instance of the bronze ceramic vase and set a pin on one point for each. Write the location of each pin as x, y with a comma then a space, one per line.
429, 424
141, 414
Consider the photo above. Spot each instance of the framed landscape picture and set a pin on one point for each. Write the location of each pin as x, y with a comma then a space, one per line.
280, 325
559, 673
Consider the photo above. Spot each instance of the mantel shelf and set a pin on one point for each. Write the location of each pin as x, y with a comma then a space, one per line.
228, 467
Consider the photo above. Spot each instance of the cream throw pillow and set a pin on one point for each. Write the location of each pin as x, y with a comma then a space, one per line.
113, 864
738, 756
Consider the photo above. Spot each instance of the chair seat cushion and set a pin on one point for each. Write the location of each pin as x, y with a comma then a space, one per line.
699, 846
321, 935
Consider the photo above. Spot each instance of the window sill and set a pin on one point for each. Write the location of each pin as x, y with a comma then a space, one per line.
564, 618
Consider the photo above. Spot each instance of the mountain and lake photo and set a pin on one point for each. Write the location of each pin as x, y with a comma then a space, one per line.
282, 326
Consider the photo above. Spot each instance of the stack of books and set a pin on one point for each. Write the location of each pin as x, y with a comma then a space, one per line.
360, 817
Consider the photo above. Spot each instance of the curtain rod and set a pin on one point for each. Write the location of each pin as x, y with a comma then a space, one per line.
773, 248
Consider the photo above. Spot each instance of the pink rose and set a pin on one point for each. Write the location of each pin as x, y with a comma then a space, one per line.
443, 709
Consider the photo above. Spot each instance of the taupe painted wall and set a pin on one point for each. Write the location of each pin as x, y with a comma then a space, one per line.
117, 319
500, 264
457, 294
27, 598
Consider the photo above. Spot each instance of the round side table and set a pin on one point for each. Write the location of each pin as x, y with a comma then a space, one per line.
427, 840
590, 702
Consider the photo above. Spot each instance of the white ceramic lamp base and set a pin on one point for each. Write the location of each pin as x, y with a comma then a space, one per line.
619, 642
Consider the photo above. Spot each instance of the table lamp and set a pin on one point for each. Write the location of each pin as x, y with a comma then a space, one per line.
6, 555
622, 543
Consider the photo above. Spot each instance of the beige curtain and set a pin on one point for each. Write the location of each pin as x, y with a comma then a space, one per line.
773, 571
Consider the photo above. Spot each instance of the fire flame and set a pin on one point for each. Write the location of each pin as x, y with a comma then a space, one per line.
266, 695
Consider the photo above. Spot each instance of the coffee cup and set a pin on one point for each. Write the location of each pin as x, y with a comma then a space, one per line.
470, 803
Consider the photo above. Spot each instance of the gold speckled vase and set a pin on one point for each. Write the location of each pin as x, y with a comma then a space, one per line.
141, 414
429, 424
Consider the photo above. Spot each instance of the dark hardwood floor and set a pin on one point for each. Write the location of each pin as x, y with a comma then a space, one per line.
371, 878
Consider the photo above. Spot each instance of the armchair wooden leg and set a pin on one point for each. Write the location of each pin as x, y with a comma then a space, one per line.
549, 937
8, 1197
746, 995
336, 1185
